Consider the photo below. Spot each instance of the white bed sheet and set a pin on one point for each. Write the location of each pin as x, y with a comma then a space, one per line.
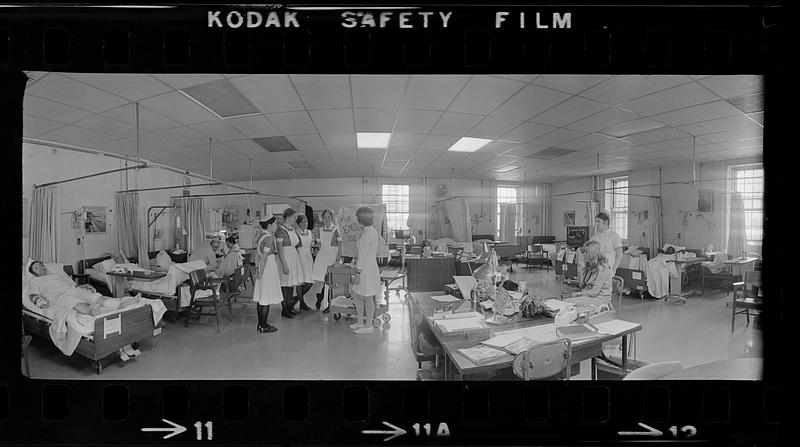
98, 276
177, 274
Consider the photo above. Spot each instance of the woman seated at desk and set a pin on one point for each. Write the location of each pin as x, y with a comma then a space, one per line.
595, 279
231, 260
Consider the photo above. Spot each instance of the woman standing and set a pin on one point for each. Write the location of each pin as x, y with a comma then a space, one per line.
369, 283
329, 252
291, 269
267, 289
306, 260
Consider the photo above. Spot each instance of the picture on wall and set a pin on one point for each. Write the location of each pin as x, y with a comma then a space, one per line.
705, 200
94, 220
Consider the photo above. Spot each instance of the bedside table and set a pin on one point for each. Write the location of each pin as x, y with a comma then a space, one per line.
81, 278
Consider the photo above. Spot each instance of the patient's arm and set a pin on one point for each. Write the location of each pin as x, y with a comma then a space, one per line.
83, 308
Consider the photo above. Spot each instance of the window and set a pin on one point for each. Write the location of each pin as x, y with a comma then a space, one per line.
508, 194
749, 182
396, 198
617, 204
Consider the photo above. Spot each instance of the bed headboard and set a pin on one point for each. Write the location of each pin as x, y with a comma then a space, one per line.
84, 264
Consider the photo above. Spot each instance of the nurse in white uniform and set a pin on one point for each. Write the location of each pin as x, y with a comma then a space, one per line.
369, 284
291, 270
329, 252
268, 284
306, 260
609, 240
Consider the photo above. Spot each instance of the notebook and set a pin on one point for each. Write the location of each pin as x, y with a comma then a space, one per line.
460, 324
577, 331
481, 354
512, 343
445, 298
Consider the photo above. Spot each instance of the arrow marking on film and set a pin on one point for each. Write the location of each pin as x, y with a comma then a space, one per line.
175, 429
650, 431
397, 431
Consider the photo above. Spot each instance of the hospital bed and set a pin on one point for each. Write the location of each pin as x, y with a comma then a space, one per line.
633, 271
102, 335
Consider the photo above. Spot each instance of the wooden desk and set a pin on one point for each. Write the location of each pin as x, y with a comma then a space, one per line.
676, 286
429, 274
736, 369
457, 363
119, 280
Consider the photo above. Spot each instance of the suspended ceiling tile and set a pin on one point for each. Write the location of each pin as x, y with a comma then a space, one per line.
604, 119
437, 142
53, 111
584, 142
529, 102
748, 103
729, 86
336, 142
653, 136
718, 125
733, 135
333, 120
310, 142
290, 156
377, 90
108, 126
186, 135
399, 154
432, 92
526, 131
493, 126
32, 126
631, 127
375, 120
148, 120
222, 97
416, 121
557, 137
569, 111
132, 87
456, 124
270, 93
757, 117
497, 147
178, 107
520, 78
674, 98
179, 81
318, 156
62, 89
672, 144
255, 126
569, 83
425, 156
619, 89
276, 144
703, 112
150, 143
77, 136
246, 147
121, 146
292, 123
218, 130
405, 140
482, 94
344, 155
523, 150
323, 91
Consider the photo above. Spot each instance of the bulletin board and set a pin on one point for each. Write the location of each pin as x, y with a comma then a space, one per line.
351, 231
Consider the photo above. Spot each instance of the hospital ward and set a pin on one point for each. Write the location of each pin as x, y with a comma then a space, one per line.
392, 227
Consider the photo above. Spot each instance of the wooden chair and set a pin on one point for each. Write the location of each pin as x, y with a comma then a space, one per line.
745, 296
229, 287
26, 340
507, 254
654, 371
199, 281
249, 272
617, 284
547, 360
536, 254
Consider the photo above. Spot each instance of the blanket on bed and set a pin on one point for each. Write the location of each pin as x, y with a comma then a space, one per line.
176, 274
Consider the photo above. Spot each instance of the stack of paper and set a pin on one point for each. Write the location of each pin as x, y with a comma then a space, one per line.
557, 305
460, 324
445, 298
615, 326
577, 331
512, 343
481, 354
453, 316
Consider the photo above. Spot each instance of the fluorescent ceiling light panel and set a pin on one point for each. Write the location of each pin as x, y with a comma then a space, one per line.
221, 98
468, 144
275, 144
373, 140
631, 127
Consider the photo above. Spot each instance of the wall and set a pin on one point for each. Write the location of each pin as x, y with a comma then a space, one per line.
682, 224
565, 197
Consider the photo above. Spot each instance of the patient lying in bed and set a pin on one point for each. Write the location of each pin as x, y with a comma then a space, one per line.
48, 289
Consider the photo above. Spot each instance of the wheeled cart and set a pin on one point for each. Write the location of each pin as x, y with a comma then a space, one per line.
339, 279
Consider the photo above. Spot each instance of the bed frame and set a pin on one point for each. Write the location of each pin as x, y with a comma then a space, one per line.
136, 325
635, 279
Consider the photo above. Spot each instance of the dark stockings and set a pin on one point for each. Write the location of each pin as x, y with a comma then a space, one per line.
263, 315
287, 303
302, 289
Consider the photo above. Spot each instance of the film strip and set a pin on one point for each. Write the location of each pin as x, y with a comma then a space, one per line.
431, 39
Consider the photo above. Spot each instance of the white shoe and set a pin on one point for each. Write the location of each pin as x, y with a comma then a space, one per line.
356, 325
365, 330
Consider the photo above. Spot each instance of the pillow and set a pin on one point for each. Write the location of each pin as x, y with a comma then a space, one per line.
163, 260
56, 268
105, 266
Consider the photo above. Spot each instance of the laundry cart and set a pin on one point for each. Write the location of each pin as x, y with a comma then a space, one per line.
339, 279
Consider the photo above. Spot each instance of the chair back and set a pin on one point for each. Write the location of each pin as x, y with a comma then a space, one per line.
197, 277
617, 284
236, 279
545, 360
752, 278
69, 270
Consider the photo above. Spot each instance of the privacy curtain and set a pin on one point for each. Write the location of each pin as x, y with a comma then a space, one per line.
188, 227
131, 228
458, 215
736, 233
654, 225
508, 222
43, 239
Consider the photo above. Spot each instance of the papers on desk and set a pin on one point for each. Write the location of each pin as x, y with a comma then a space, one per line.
557, 305
577, 332
460, 324
445, 298
481, 354
449, 315
615, 326
510, 343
